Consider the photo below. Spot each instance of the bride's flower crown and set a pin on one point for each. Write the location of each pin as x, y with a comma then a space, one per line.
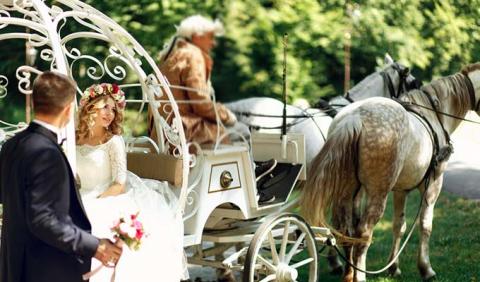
109, 89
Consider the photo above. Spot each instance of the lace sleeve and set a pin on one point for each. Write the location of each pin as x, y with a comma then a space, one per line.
118, 160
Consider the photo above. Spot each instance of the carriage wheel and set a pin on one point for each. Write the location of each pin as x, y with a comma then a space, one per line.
283, 248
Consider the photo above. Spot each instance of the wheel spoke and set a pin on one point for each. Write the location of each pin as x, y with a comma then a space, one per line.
273, 248
302, 263
270, 277
295, 247
268, 264
283, 247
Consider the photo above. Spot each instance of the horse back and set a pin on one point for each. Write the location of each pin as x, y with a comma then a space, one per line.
394, 147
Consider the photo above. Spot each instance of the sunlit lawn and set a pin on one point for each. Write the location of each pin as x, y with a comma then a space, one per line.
454, 245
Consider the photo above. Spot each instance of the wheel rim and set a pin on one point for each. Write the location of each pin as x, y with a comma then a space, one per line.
281, 249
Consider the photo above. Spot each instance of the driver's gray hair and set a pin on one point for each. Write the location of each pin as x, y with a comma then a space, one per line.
199, 25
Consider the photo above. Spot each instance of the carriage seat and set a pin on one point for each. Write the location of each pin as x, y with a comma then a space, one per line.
144, 161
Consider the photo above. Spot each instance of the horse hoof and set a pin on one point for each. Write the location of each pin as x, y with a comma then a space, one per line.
429, 275
337, 270
394, 271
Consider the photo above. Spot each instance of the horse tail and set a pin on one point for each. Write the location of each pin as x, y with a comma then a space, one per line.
332, 179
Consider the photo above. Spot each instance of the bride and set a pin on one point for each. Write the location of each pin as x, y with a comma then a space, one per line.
109, 191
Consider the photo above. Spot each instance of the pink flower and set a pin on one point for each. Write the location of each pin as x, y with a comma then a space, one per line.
122, 104
139, 234
130, 230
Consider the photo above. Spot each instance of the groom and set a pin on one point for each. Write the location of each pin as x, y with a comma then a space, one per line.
45, 233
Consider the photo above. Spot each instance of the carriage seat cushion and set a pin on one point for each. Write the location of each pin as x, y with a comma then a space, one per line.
156, 166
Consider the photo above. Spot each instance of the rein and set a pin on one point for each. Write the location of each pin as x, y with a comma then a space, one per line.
302, 118
442, 113
471, 93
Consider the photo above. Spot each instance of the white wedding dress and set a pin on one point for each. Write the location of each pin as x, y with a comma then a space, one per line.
161, 256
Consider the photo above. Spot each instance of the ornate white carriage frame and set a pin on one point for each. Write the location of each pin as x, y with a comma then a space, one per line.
125, 59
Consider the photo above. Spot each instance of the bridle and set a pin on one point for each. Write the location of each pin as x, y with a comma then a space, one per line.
403, 86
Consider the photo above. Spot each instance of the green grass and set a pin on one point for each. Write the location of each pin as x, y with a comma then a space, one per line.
454, 244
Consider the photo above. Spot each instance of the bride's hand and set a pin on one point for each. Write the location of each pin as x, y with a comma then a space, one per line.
114, 190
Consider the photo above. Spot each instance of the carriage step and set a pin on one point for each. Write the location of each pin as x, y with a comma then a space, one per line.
280, 182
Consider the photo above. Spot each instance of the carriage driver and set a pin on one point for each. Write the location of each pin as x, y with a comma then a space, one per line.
186, 62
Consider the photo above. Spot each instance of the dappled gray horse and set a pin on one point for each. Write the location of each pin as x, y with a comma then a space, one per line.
377, 146
392, 80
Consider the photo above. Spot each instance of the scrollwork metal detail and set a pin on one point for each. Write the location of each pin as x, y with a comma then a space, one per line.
4, 14
24, 74
3, 86
76, 55
193, 204
119, 72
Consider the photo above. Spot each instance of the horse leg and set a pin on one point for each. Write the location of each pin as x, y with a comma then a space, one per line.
334, 262
426, 218
342, 220
374, 209
333, 259
399, 228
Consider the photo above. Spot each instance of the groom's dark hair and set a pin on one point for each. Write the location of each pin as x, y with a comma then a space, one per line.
52, 92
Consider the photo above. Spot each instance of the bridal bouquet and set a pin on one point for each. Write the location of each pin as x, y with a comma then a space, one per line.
130, 230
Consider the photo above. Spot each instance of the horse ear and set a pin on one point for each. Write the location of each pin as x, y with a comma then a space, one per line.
388, 59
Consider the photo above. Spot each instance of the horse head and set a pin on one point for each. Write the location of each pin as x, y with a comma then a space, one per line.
392, 81
397, 78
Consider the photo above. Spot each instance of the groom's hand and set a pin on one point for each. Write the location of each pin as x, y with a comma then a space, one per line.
108, 253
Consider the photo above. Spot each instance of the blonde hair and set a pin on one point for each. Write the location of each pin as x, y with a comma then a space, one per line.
86, 117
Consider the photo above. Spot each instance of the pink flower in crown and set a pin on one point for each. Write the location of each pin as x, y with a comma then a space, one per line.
115, 88
122, 104
97, 90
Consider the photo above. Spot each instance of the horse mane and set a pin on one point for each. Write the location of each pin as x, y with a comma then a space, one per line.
444, 89
469, 68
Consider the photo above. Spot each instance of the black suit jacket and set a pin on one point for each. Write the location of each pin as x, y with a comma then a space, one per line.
45, 233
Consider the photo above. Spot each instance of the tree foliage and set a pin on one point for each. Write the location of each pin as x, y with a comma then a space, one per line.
434, 38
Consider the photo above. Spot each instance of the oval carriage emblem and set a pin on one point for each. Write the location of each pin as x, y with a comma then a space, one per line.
226, 179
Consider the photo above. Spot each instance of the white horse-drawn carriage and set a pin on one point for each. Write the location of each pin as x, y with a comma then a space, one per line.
216, 186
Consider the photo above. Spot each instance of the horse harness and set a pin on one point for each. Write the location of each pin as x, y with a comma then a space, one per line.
441, 152
387, 80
